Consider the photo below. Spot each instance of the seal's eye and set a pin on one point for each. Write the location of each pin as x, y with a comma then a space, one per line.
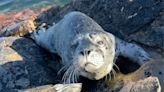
100, 43
92, 36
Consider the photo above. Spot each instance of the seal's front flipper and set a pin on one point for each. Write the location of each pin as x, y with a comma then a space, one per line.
132, 51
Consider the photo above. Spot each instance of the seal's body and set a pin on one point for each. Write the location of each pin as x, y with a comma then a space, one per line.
85, 48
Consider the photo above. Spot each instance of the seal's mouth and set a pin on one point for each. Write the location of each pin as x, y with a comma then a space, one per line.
95, 66
93, 62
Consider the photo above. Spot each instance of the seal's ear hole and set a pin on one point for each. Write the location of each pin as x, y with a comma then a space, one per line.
125, 65
92, 35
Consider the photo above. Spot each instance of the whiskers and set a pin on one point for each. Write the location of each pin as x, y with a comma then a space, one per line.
63, 69
108, 77
70, 74
112, 74
116, 67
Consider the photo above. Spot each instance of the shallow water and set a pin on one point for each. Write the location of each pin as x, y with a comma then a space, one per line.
16, 5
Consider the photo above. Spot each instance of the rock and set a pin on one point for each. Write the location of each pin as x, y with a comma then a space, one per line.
15, 17
57, 88
153, 68
152, 35
50, 88
150, 84
68, 87
23, 65
19, 29
44, 88
121, 18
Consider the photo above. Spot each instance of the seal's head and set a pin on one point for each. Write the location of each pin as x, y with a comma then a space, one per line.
93, 54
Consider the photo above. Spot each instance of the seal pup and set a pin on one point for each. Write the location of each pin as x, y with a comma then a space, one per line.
85, 48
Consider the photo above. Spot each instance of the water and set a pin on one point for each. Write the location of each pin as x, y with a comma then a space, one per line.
16, 5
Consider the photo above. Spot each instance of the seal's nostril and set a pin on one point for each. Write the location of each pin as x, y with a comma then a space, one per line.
88, 52
82, 53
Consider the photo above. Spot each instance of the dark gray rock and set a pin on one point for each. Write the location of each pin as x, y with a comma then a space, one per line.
121, 17
153, 37
23, 65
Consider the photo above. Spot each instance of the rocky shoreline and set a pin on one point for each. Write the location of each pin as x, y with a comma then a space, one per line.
25, 67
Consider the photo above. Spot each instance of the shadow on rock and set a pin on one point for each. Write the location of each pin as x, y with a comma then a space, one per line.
23, 65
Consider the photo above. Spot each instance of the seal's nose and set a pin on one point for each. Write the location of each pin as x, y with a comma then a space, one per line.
86, 52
